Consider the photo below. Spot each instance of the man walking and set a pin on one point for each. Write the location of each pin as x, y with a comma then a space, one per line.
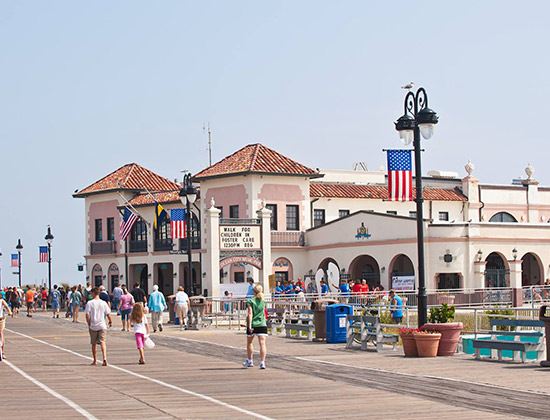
55, 297
139, 294
117, 293
29, 295
157, 304
96, 311
396, 307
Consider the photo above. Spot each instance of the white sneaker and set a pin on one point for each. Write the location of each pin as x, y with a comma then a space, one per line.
262, 365
248, 363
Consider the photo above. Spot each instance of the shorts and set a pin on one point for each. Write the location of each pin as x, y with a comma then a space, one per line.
14, 305
181, 312
258, 331
30, 305
397, 319
125, 314
55, 305
140, 340
97, 337
2, 323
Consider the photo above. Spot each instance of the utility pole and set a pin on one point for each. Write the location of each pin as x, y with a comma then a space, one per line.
206, 127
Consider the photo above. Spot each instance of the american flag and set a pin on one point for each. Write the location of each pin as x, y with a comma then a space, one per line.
177, 218
128, 221
14, 260
399, 175
42, 254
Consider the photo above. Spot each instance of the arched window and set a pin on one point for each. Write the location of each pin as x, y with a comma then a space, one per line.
503, 217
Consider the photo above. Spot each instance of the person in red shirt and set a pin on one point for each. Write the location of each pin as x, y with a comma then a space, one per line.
44, 298
356, 288
364, 287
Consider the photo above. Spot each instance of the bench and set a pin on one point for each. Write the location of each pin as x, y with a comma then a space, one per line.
517, 347
299, 321
364, 328
275, 320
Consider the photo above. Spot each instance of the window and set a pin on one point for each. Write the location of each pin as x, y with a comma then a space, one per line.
273, 221
233, 212
220, 208
239, 277
110, 228
503, 217
318, 217
444, 216
392, 212
292, 222
139, 231
164, 231
98, 230
412, 214
343, 213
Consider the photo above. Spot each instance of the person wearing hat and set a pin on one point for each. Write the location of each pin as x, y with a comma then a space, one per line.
157, 304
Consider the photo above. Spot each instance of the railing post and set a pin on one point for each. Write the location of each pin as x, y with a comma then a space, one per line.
475, 324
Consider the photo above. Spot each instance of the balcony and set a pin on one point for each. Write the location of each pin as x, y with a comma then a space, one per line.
163, 244
138, 246
195, 243
288, 239
103, 247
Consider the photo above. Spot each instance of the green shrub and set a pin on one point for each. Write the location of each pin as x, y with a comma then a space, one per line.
442, 314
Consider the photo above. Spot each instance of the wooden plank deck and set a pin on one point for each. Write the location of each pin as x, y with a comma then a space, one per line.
289, 388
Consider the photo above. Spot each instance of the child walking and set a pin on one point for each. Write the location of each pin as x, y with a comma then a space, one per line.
138, 320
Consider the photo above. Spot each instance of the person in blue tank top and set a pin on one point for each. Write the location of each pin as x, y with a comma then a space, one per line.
396, 307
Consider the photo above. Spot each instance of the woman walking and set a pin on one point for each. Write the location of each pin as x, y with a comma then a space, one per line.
256, 326
125, 305
138, 320
3, 305
182, 306
76, 300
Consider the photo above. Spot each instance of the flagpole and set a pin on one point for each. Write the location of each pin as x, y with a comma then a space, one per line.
134, 209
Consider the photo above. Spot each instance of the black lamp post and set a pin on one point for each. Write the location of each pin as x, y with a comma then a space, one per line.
49, 240
188, 195
418, 120
19, 248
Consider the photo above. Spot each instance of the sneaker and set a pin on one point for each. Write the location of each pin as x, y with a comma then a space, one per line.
160, 327
262, 365
248, 363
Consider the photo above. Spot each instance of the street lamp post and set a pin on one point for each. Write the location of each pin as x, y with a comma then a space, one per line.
49, 240
418, 120
19, 248
188, 195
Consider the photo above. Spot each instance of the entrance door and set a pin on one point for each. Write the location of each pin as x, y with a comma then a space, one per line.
98, 281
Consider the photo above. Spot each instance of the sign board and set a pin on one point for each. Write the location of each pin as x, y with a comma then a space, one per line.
241, 259
240, 237
402, 283
271, 278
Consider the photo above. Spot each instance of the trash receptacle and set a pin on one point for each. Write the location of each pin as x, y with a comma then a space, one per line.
197, 307
171, 309
318, 308
546, 319
336, 322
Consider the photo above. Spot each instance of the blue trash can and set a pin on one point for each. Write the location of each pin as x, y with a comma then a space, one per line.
336, 322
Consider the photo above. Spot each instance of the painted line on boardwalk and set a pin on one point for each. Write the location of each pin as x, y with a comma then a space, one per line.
129, 372
51, 391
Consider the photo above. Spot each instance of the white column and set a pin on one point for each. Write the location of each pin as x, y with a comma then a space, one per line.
479, 274
515, 282
265, 216
211, 264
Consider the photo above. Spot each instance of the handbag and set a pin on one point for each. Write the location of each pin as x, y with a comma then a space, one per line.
149, 344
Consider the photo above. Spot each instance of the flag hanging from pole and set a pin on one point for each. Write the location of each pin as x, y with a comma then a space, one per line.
399, 175
42, 254
160, 214
14, 260
128, 221
177, 217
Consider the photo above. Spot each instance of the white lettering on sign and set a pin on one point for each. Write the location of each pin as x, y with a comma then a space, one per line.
240, 237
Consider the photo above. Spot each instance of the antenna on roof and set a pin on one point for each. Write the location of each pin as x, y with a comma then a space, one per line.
206, 127
360, 166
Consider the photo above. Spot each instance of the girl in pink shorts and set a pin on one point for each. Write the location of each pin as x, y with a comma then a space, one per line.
138, 320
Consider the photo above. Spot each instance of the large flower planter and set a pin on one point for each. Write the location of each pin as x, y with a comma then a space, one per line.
450, 334
409, 345
427, 344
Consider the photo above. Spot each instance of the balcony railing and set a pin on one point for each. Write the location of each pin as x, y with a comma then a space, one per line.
104, 247
195, 243
288, 239
163, 244
138, 246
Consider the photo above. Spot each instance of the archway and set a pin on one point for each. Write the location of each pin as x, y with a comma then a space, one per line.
113, 276
497, 273
165, 278
325, 262
97, 275
365, 267
283, 270
402, 268
531, 270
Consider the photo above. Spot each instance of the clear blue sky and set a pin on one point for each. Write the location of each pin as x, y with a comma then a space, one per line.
89, 86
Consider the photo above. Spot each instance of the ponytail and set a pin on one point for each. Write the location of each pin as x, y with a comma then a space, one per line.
258, 289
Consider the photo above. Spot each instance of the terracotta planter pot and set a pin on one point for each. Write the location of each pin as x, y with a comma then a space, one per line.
409, 345
427, 344
450, 334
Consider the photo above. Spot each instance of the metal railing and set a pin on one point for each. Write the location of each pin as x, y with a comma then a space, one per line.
103, 247
138, 246
163, 244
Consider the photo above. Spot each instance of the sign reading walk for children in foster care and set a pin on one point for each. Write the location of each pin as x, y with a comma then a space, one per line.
240, 237
402, 283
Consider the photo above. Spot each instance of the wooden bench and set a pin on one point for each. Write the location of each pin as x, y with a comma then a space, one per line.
299, 321
364, 328
275, 320
517, 347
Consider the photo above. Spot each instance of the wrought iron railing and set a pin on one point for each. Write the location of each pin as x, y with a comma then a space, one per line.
104, 247
288, 239
138, 246
195, 243
163, 244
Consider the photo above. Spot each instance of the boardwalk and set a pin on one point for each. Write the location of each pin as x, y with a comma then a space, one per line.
195, 375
